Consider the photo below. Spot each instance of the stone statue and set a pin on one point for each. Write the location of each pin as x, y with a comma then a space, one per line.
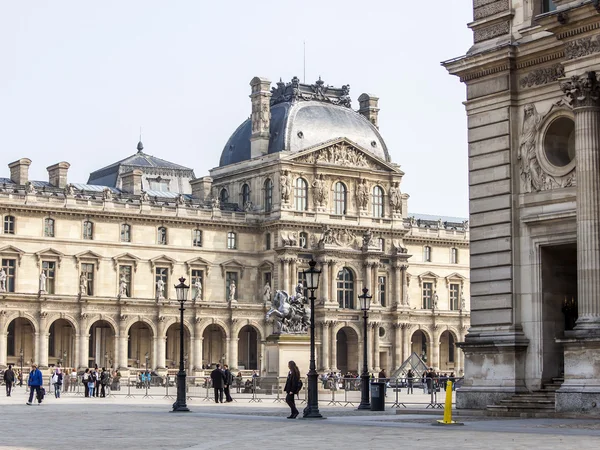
319, 191
248, 206
362, 194
413, 221
83, 288
531, 172
286, 186
395, 197
368, 239
290, 313
198, 288
42, 286
465, 225
267, 292
463, 303
160, 289
440, 224
2, 280
30, 188
123, 287
289, 239
144, 197
70, 190
180, 200
232, 291
216, 204
107, 195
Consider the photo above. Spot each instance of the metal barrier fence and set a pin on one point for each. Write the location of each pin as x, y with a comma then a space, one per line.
339, 392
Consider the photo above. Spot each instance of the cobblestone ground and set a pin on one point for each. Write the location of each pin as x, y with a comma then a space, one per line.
81, 423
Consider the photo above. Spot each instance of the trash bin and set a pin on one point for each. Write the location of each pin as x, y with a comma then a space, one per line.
377, 396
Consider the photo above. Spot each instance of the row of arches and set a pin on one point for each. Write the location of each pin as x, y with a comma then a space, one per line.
62, 345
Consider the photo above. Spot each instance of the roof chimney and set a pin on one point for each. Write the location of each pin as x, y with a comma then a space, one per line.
369, 107
19, 171
201, 188
131, 182
57, 174
261, 116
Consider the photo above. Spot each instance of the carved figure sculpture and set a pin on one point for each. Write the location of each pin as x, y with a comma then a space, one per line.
289, 239
160, 289
83, 288
2, 280
144, 197
290, 313
362, 194
395, 198
232, 291
123, 287
215, 203
267, 293
42, 286
531, 172
179, 200
107, 195
70, 190
368, 239
198, 289
30, 188
286, 186
319, 191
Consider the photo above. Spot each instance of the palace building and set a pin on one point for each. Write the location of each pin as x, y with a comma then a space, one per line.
88, 270
533, 90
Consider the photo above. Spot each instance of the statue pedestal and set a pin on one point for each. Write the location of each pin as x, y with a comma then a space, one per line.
282, 348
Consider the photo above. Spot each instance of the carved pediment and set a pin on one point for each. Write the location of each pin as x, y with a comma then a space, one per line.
162, 260
15, 252
88, 256
126, 258
345, 153
49, 253
266, 266
233, 264
428, 276
198, 262
456, 277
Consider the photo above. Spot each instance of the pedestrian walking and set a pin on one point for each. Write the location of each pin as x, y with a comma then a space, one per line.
57, 380
35, 382
409, 381
73, 384
85, 379
228, 382
9, 379
292, 387
104, 377
218, 381
238, 382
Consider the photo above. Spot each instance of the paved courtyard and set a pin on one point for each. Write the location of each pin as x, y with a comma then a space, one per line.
140, 423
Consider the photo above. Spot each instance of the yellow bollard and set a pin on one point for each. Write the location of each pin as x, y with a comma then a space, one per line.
448, 408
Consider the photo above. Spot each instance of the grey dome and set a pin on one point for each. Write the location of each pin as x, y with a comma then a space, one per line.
300, 125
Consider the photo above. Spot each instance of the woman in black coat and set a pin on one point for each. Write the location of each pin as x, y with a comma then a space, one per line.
291, 388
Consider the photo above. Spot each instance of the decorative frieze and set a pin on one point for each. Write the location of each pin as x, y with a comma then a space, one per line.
340, 154
582, 47
492, 31
489, 8
543, 76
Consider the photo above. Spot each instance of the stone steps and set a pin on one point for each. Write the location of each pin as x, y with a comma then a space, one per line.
540, 403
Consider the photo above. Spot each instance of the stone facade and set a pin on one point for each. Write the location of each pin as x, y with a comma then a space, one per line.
532, 105
90, 270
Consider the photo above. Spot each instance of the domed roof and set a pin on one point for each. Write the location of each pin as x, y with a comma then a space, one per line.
304, 120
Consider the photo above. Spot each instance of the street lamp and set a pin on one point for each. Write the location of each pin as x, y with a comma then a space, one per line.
312, 408
22, 376
180, 405
365, 304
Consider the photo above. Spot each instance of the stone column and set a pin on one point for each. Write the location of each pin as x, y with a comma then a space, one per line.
262, 364
370, 347
161, 343
376, 359
84, 350
233, 353
325, 347
293, 276
43, 353
198, 344
122, 361
368, 283
406, 350
404, 280
584, 93
3, 339
435, 351
398, 359
227, 354
286, 275
333, 363
324, 280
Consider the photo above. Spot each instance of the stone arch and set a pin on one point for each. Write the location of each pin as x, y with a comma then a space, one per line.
144, 320
450, 330
169, 321
214, 343
21, 336
22, 315
448, 351
248, 351
61, 341
205, 324
339, 325
241, 324
69, 318
172, 350
99, 317
346, 340
418, 346
102, 344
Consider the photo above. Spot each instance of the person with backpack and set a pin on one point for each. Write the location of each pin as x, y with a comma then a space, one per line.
57, 380
9, 379
228, 383
293, 385
35, 382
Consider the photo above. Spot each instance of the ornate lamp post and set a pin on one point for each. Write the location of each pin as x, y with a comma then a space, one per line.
312, 408
180, 404
365, 304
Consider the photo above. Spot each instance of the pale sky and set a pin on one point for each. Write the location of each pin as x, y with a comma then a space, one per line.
79, 78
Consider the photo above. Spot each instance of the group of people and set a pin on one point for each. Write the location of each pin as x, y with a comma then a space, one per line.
430, 379
222, 380
96, 381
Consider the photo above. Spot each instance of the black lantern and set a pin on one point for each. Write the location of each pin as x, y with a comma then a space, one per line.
180, 404
312, 408
365, 305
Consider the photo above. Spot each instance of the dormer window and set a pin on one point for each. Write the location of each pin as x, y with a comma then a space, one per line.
159, 184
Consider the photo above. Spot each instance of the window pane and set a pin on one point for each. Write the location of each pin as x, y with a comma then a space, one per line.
87, 279
224, 196
268, 241
382, 291
548, 5
49, 269
9, 225
268, 195
345, 288
303, 240
125, 281
245, 194
301, 194
197, 242
377, 202
7, 275
49, 227
197, 284
427, 295
161, 280
454, 296
231, 240
125, 233
340, 198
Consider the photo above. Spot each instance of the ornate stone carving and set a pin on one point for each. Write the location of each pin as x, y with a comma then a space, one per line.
30, 188
289, 238
582, 91
395, 198
340, 238
398, 247
70, 190
291, 314
543, 76
160, 289
362, 194
107, 195
368, 240
285, 186
582, 47
296, 91
320, 191
490, 8
492, 31
340, 154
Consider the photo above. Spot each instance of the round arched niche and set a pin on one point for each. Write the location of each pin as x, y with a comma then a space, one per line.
557, 155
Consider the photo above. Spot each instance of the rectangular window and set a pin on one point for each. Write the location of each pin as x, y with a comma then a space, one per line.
427, 295
231, 241
88, 230
197, 283
197, 238
454, 297
88, 271
427, 253
9, 225
9, 267
49, 227
159, 185
547, 6
125, 281
454, 256
382, 291
162, 236
267, 279
381, 244
268, 241
451, 348
231, 277
49, 269
161, 275
125, 232
302, 281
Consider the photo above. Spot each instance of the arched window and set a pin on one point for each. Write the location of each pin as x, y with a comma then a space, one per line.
9, 225
268, 195
231, 240
427, 253
88, 230
301, 194
125, 232
245, 194
303, 239
162, 236
197, 238
48, 227
454, 255
340, 193
377, 201
224, 196
345, 288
